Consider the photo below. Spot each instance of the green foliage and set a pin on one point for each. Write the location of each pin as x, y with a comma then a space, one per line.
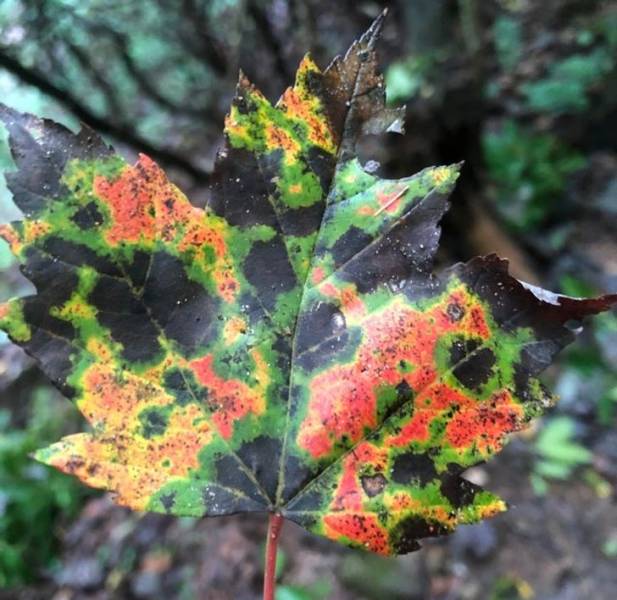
607, 407
557, 453
587, 363
609, 548
375, 578
315, 591
568, 82
507, 35
606, 27
529, 171
409, 78
32, 498
511, 588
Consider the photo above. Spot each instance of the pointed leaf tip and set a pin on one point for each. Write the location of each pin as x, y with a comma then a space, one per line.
373, 32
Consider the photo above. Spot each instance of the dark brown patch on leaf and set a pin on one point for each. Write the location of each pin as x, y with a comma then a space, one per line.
455, 311
373, 485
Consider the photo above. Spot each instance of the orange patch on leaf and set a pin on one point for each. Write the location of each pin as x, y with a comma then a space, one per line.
228, 399
391, 202
119, 455
130, 201
415, 430
349, 494
235, 327
4, 309
11, 237
113, 400
132, 467
226, 283
402, 502
348, 298
302, 105
278, 138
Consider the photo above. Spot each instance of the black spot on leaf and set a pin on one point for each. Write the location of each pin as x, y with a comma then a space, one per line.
87, 217
350, 243
182, 308
153, 421
229, 474
181, 384
407, 531
457, 490
410, 467
268, 270
472, 365
262, 456
168, 501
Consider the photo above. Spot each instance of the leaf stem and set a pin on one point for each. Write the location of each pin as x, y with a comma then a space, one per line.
275, 523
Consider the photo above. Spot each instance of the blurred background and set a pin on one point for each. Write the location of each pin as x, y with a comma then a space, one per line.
525, 92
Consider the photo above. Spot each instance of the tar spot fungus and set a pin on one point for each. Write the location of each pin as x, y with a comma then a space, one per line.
471, 363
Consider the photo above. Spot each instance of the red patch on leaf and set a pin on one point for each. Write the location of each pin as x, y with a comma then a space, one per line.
361, 528
343, 399
318, 275
415, 430
228, 399
485, 424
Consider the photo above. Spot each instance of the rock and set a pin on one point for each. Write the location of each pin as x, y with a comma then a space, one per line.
476, 541
81, 573
146, 585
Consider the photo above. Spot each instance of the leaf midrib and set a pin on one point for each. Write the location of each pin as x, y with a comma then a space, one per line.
305, 288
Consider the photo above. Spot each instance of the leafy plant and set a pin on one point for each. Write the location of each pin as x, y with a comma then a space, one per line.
529, 171
31, 494
511, 588
588, 364
287, 349
407, 78
609, 548
558, 454
316, 591
568, 82
508, 41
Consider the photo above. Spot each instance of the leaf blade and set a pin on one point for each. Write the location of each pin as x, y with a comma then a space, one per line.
288, 347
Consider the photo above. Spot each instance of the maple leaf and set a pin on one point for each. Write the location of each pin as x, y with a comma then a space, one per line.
287, 348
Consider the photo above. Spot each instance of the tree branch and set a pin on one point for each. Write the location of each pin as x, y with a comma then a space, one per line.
113, 105
261, 21
83, 113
